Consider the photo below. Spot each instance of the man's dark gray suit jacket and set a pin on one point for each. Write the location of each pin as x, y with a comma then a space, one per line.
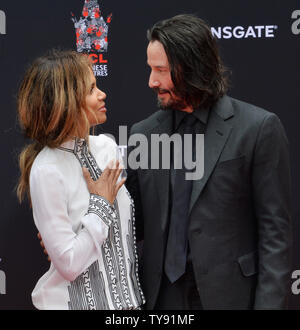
240, 216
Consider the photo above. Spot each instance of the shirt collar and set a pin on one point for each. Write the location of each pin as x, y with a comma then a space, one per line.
200, 113
75, 145
79, 148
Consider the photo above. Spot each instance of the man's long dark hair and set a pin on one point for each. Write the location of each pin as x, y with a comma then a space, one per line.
196, 68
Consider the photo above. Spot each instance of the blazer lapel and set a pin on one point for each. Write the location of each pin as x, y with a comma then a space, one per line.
216, 135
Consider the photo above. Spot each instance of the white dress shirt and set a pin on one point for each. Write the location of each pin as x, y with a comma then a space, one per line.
91, 243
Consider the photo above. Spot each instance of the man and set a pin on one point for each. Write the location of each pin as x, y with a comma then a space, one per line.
222, 241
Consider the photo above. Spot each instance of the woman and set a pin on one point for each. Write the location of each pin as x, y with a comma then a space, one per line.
81, 208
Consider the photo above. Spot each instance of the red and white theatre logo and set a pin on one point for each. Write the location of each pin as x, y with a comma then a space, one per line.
92, 35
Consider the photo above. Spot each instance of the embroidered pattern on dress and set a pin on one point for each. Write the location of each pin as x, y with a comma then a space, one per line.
84, 291
87, 292
133, 260
102, 208
118, 249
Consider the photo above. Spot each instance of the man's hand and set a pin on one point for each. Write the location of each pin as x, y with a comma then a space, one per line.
43, 246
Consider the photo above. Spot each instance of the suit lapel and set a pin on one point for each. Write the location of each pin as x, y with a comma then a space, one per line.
216, 135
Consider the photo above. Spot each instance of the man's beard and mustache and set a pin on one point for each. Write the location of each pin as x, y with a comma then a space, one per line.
173, 103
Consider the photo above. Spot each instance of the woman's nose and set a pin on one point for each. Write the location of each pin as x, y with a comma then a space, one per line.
102, 95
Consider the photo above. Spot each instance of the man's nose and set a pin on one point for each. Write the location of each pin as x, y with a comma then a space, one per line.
153, 82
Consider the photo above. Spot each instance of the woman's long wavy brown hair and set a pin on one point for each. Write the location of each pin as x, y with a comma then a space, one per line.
51, 103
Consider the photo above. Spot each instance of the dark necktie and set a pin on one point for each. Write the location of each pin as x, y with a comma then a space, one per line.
176, 251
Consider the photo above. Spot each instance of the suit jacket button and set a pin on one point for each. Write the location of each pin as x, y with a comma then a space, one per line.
198, 231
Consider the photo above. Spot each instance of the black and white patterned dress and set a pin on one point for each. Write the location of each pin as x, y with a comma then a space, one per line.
90, 242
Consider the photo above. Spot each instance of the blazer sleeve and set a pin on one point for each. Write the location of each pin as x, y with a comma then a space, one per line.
272, 203
71, 252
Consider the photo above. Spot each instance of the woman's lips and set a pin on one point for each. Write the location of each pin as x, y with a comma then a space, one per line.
102, 109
